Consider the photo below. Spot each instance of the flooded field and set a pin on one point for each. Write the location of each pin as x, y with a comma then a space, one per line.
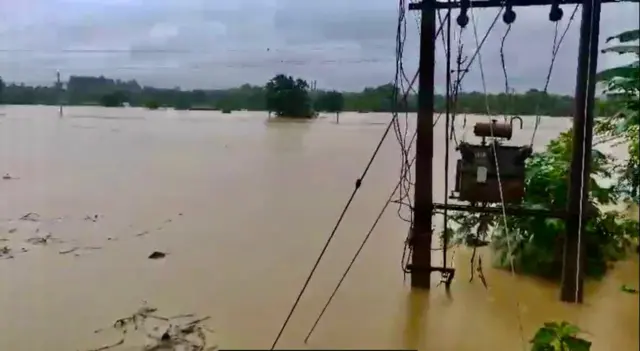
242, 207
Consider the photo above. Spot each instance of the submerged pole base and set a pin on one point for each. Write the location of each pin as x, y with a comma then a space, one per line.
421, 276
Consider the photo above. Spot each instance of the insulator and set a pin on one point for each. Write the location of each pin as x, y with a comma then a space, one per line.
555, 14
462, 19
509, 15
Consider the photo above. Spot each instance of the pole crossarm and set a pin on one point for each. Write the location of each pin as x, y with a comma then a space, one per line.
511, 210
495, 3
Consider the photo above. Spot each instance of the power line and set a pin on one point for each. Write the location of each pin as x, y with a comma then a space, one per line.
355, 256
399, 50
557, 44
212, 64
189, 51
504, 213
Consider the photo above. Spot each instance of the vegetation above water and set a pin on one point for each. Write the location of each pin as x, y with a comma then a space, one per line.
559, 337
536, 243
82, 90
288, 97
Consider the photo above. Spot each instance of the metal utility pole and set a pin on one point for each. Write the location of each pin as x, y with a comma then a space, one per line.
573, 257
59, 91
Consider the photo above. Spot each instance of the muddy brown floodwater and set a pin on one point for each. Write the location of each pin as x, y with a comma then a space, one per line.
242, 207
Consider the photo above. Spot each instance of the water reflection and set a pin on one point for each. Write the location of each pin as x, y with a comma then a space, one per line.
414, 331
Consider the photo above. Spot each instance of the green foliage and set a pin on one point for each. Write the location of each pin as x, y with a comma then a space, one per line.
330, 101
623, 89
559, 337
152, 105
536, 243
89, 91
182, 103
1, 90
114, 99
288, 97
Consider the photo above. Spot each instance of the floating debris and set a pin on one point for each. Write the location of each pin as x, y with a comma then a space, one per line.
5, 252
143, 233
64, 252
188, 335
43, 240
12, 230
93, 218
156, 255
76, 248
31, 216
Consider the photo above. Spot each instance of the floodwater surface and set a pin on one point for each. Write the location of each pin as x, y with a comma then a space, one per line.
242, 207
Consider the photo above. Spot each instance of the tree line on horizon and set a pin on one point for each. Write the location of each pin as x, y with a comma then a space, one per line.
102, 91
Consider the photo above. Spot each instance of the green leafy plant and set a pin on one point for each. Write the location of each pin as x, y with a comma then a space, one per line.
561, 336
622, 86
535, 243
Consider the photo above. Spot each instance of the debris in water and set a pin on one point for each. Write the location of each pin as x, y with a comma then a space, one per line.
175, 335
43, 240
64, 252
143, 233
5, 252
12, 230
156, 255
93, 218
92, 247
628, 289
31, 216
8, 176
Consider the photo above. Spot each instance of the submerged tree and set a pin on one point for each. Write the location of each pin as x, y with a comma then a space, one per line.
152, 105
288, 97
114, 99
331, 101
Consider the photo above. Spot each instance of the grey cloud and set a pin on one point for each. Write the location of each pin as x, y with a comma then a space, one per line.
199, 43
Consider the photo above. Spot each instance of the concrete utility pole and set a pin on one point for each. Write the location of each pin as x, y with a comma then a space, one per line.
573, 257
422, 231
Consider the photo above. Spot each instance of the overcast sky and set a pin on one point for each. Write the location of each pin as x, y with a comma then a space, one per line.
343, 44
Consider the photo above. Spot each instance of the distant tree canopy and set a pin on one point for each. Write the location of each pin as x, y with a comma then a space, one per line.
152, 105
82, 90
114, 99
288, 97
330, 101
